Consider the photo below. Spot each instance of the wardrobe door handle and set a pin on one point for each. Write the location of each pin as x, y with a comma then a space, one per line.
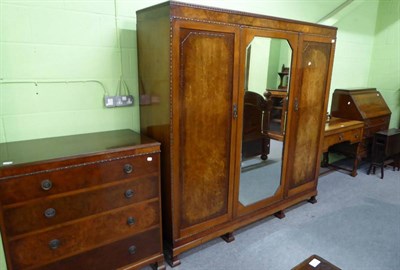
235, 111
296, 104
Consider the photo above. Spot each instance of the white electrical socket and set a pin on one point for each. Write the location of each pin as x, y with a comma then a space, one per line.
109, 101
118, 101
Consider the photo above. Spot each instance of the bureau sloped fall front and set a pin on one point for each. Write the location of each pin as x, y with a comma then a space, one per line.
81, 202
195, 65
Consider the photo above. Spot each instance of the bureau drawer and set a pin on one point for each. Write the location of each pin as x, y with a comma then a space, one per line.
41, 184
351, 136
374, 125
38, 214
78, 237
369, 132
377, 121
114, 255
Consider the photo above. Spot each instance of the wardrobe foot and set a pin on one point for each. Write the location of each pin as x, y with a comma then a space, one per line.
158, 265
280, 214
228, 237
173, 260
312, 200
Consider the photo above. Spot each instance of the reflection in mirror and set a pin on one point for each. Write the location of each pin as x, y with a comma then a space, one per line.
266, 86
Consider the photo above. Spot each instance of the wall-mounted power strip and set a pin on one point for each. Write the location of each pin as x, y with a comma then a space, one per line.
118, 101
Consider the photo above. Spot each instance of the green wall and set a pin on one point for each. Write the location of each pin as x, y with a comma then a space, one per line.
71, 41
355, 40
367, 52
385, 63
54, 58
2, 258
258, 64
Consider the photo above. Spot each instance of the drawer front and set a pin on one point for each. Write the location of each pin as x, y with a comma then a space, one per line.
375, 124
377, 121
351, 136
49, 211
115, 255
369, 132
70, 239
76, 177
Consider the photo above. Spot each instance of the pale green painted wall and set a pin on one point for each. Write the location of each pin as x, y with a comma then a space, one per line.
385, 63
266, 59
355, 39
273, 64
2, 258
367, 52
63, 41
77, 40
258, 67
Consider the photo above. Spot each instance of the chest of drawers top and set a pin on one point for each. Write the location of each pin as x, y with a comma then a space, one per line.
41, 155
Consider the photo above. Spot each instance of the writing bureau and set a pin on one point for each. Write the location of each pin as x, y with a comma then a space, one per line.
361, 104
89, 201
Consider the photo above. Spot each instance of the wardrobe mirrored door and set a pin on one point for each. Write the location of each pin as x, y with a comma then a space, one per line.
264, 95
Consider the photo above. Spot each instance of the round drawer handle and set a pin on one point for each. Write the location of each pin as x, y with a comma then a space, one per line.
128, 168
50, 212
46, 184
54, 244
131, 221
129, 193
132, 250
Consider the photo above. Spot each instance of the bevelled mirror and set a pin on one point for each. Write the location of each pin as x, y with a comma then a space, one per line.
266, 90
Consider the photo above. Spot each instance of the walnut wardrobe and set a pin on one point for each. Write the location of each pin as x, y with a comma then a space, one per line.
195, 65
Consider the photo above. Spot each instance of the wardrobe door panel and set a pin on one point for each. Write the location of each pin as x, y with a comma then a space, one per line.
309, 108
204, 129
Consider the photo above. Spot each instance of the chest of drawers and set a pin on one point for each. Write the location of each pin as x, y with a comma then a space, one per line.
87, 201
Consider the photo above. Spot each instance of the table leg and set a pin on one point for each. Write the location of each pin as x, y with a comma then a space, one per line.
357, 159
325, 159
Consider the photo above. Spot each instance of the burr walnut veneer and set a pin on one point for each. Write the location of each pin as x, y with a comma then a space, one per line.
192, 83
81, 202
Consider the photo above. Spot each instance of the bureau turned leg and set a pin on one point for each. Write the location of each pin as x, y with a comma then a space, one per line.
313, 200
355, 166
228, 237
280, 214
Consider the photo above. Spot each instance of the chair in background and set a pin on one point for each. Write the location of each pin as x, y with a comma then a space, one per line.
256, 120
